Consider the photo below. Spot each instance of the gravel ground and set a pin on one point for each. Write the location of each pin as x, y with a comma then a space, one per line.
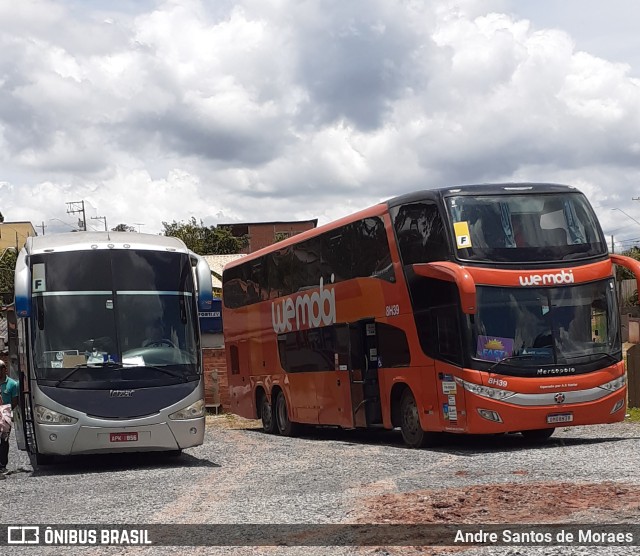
241, 475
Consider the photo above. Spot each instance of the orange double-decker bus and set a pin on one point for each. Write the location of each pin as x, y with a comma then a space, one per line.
473, 309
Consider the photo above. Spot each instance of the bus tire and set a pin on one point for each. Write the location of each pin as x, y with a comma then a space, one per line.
536, 436
285, 426
267, 415
412, 432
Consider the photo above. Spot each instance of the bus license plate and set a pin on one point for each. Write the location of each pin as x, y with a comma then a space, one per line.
560, 418
123, 437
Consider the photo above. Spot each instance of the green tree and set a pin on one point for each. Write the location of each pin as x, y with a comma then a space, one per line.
123, 228
624, 274
205, 240
7, 274
621, 272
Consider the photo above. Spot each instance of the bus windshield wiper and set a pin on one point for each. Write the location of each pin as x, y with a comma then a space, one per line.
526, 356
160, 370
105, 364
599, 354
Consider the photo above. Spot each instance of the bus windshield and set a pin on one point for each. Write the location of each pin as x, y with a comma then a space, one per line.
121, 319
524, 228
532, 331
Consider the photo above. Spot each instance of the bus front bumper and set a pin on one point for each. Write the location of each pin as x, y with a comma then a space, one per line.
489, 416
76, 439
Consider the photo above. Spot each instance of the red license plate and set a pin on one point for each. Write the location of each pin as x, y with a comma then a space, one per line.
123, 437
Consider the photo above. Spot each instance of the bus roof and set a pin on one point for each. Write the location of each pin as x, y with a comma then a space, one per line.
79, 241
435, 194
482, 189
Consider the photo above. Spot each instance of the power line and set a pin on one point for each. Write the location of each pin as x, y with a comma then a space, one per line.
103, 218
77, 207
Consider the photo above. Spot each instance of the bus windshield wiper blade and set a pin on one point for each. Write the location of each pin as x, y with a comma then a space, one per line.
599, 354
512, 358
160, 370
105, 364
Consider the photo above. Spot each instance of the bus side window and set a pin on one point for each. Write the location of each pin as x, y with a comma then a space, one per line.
420, 232
437, 308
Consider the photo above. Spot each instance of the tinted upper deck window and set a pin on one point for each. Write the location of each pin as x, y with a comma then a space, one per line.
524, 228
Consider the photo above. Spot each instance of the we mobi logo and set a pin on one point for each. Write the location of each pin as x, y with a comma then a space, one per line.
317, 308
562, 277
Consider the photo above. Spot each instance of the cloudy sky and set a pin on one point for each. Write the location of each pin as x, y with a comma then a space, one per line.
258, 110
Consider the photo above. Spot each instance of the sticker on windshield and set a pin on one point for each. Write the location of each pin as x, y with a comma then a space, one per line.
39, 283
463, 237
494, 348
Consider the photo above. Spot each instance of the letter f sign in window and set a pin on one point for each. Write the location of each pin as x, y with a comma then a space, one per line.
38, 278
463, 237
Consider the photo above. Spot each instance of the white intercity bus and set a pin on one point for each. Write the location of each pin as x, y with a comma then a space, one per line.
105, 342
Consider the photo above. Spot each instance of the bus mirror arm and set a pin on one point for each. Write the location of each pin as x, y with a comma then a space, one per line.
451, 272
204, 283
630, 264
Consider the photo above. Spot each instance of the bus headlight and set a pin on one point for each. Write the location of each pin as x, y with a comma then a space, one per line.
484, 391
46, 416
615, 384
196, 409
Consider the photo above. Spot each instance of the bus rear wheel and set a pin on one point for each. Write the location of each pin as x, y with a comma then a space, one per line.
536, 436
285, 426
412, 432
266, 414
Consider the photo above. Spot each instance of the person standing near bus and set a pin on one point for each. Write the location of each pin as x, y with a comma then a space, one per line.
9, 392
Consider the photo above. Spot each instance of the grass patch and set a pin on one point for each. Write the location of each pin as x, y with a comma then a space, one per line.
231, 421
633, 414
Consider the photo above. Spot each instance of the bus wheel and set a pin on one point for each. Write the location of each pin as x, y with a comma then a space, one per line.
266, 414
537, 435
412, 432
285, 426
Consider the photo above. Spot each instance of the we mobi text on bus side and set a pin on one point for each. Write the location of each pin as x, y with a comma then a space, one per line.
475, 309
105, 342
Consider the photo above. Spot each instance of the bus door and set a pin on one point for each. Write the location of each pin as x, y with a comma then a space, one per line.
363, 373
334, 386
16, 373
19, 369
451, 404
447, 353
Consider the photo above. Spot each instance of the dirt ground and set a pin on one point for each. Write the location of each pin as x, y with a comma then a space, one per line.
509, 503
537, 502
557, 502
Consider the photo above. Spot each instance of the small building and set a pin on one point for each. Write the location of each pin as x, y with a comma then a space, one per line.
263, 234
15, 234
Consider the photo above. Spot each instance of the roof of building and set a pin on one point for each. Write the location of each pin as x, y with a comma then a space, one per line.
216, 264
313, 221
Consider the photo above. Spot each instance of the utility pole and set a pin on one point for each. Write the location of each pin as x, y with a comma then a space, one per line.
42, 226
103, 218
75, 207
613, 249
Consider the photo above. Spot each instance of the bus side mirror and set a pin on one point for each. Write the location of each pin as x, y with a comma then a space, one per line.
22, 286
451, 272
204, 284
